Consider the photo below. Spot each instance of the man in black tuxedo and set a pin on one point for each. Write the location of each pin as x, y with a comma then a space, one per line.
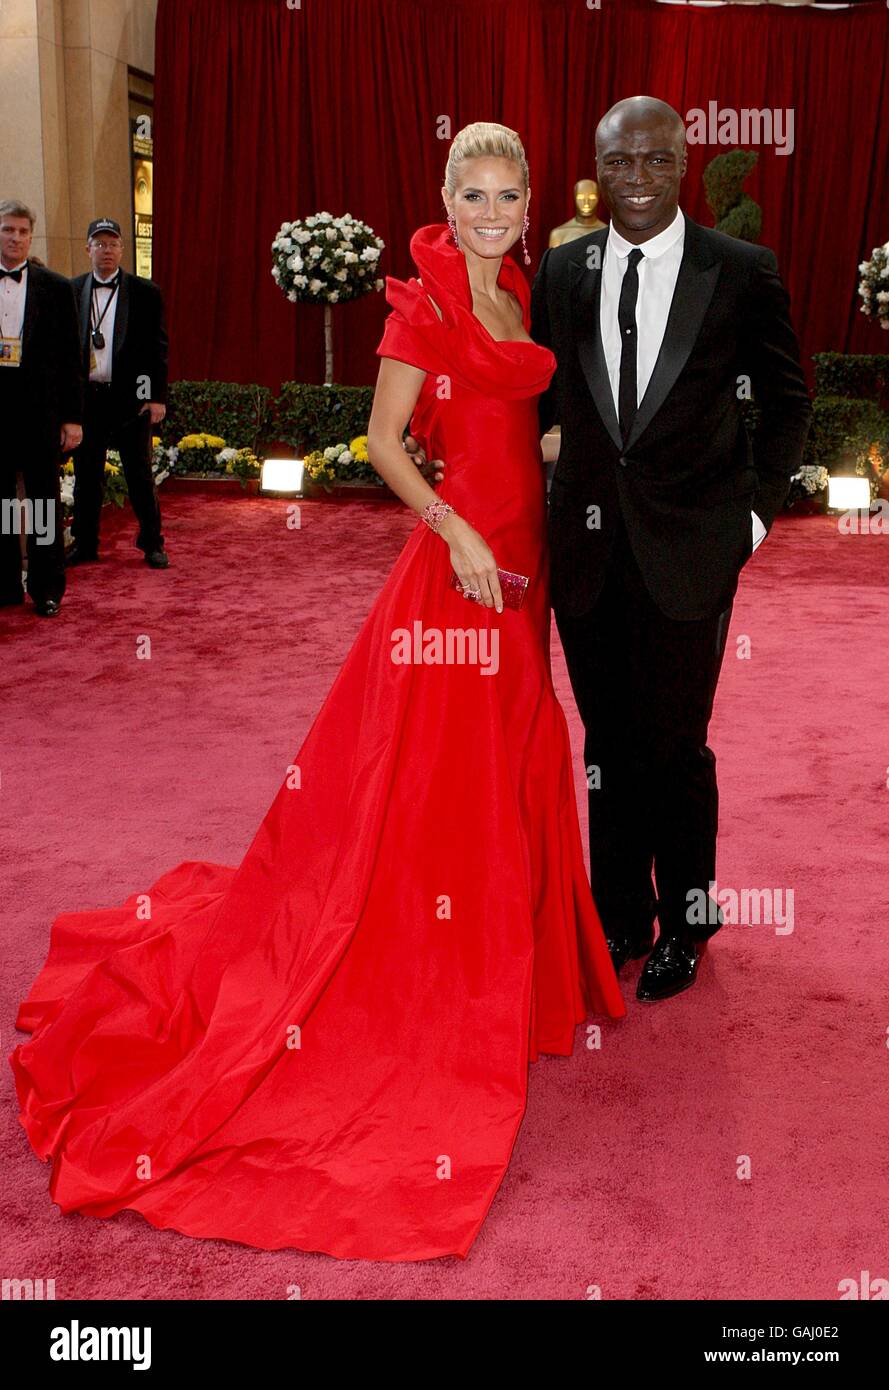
123, 340
660, 328
41, 404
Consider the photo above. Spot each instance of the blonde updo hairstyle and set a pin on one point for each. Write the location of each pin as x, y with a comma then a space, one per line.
484, 140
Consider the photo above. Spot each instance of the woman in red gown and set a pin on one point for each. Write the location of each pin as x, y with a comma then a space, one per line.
327, 1047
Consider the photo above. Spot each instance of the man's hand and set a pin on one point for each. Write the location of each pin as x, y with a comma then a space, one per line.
156, 411
433, 472
72, 435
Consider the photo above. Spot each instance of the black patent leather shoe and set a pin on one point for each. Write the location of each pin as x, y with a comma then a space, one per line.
671, 968
157, 559
77, 556
623, 948
49, 608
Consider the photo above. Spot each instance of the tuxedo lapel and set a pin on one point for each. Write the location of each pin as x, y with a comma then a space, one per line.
696, 282
86, 294
33, 296
585, 289
123, 313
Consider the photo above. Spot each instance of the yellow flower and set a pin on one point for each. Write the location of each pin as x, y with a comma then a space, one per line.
202, 441
358, 448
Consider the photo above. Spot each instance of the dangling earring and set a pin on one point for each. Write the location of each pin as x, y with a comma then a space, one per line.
525, 225
452, 223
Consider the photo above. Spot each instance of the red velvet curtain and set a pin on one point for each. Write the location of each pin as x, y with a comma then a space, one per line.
266, 113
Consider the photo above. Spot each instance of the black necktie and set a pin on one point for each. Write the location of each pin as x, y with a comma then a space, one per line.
626, 317
108, 285
15, 275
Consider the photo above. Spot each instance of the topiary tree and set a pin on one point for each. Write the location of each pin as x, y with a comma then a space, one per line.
735, 211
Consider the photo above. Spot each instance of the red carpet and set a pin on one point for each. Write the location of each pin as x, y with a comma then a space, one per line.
625, 1173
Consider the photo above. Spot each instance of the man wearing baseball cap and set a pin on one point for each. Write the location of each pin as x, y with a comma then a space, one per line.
124, 343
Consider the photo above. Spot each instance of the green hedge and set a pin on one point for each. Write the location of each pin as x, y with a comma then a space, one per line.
249, 417
241, 415
314, 417
858, 375
843, 432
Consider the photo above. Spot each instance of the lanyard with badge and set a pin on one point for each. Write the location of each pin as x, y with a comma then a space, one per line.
97, 337
11, 348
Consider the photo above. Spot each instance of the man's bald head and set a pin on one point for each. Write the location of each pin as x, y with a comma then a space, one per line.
641, 158
639, 111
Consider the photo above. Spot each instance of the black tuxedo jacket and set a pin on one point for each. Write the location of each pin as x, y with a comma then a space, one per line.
140, 347
50, 379
689, 475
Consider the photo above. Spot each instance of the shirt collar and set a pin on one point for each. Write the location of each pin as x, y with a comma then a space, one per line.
653, 248
99, 281
12, 270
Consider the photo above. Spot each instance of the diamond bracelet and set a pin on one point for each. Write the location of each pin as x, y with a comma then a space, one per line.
435, 513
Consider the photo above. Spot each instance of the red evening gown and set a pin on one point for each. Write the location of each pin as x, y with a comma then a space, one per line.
327, 1047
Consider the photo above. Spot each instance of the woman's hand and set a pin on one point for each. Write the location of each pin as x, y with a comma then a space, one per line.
472, 560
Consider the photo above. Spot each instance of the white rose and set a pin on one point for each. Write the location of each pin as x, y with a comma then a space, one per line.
292, 296
315, 286
333, 296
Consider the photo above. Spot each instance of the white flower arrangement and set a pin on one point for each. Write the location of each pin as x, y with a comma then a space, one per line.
326, 260
874, 285
812, 478
163, 462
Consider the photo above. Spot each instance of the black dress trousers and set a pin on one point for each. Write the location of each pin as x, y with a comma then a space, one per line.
644, 685
107, 425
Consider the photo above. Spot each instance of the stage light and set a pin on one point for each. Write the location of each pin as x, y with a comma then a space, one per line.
282, 477
848, 494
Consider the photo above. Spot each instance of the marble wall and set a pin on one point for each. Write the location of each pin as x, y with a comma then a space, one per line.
64, 114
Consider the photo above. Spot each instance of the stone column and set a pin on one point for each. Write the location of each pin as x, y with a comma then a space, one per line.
64, 112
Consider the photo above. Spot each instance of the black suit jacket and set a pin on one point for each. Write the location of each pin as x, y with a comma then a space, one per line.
50, 378
689, 474
140, 350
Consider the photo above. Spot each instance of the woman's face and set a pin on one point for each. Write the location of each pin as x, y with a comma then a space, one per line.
488, 205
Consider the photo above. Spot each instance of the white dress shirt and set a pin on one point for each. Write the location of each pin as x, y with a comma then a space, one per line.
103, 356
658, 272
13, 298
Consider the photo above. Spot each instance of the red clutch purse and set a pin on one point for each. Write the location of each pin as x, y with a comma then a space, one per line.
512, 587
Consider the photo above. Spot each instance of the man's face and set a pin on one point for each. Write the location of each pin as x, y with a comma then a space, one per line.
640, 162
15, 240
105, 253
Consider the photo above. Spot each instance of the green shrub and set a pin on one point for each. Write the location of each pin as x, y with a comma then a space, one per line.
314, 417
863, 376
243, 415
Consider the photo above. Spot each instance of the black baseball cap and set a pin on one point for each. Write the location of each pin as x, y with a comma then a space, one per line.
103, 224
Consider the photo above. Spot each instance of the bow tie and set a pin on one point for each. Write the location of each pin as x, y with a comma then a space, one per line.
108, 284
15, 275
